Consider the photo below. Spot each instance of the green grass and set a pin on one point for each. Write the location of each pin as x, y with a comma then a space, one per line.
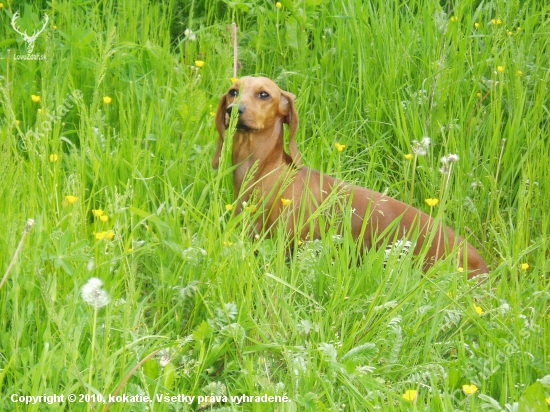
183, 275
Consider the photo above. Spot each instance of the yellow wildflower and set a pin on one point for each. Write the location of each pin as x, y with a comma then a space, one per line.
478, 94
454, 19
227, 243
524, 266
340, 147
432, 202
460, 270
1, 5
509, 33
479, 310
476, 25
109, 235
548, 400
35, 98
286, 202
18, 122
40, 111
234, 79
104, 218
278, 5
71, 199
228, 207
519, 73
98, 212
408, 156
410, 395
469, 389
500, 69
107, 100
54, 157
496, 21
199, 63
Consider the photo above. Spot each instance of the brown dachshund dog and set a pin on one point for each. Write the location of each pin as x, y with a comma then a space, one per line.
288, 191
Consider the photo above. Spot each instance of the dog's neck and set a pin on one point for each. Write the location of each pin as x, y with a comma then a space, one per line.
265, 147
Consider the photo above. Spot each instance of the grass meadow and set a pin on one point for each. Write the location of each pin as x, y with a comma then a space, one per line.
106, 142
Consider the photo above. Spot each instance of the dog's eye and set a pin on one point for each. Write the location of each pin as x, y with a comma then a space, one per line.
263, 95
233, 93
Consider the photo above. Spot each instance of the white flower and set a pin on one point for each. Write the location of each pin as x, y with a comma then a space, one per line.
94, 295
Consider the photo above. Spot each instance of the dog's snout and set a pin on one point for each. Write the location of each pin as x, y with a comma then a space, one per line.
241, 109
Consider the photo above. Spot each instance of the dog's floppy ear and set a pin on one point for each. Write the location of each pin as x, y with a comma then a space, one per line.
288, 108
220, 125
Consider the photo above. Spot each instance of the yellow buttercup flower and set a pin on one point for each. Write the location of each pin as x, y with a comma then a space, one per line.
410, 395
104, 218
35, 98
286, 202
454, 19
524, 266
227, 243
476, 25
496, 21
479, 310
98, 212
478, 94
408, 156
228, 207
432, 202
548, 400
519, 73
107, 100
469, 389
199, 64
500, 69
1, 5
109, 235
460, 270
278, 5
54, 157
71, 199
340, 147
234, 79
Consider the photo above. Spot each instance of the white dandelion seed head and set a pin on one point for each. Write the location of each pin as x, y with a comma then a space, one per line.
420, 148
165, 357
444, 160
453, 158
94, 295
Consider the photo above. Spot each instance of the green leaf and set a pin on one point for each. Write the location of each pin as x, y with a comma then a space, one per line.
204, 331
169, 375
533, 399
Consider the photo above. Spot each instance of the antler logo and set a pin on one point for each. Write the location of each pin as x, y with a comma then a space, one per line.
28, 39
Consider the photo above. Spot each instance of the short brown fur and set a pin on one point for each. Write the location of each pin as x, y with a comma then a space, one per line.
263, 109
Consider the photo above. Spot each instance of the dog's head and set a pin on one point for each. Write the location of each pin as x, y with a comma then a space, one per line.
260, 104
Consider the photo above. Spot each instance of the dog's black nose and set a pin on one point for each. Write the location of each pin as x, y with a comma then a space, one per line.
240, 109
